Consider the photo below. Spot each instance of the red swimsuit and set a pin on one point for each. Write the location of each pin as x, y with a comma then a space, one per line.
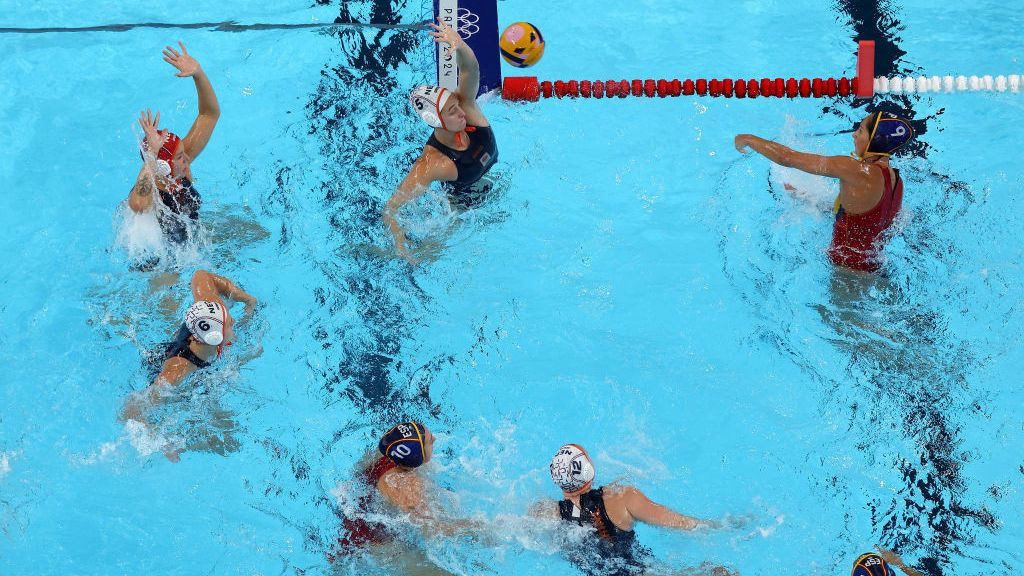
854, 236
358, 533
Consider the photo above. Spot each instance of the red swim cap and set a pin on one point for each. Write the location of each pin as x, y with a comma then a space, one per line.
167, 151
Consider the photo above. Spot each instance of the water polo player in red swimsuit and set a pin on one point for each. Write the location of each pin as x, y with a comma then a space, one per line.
870, 191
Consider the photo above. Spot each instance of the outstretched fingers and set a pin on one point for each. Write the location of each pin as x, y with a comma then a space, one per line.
147, 120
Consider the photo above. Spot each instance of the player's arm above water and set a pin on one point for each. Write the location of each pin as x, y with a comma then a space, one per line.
424, 171
547, 509
140, 198
137, 405
209, 286
894, 559
469, 71
209, 109
643, 509
841, 167
414, 496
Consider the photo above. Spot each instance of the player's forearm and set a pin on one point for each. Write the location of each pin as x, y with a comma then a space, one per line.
466, 59
231, 291
208, 105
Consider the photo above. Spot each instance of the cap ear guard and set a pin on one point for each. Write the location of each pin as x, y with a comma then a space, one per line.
205, 320
163, 168
427, 102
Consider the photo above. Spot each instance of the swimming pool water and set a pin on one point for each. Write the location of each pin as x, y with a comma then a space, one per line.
637, 287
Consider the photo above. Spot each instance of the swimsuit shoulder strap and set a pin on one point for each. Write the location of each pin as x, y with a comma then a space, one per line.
593, 501
565, 510
189, 355
180, 348
889, 188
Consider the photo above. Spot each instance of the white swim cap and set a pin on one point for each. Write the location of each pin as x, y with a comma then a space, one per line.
205, 320
427, 101
572, 469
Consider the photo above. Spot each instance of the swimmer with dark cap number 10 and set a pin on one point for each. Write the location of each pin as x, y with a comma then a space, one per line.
611, 511
461, 149
870, 191
871, 564
393, 483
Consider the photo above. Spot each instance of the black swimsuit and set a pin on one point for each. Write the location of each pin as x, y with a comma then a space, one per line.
471, 164
179, 347
183, 204
614, 551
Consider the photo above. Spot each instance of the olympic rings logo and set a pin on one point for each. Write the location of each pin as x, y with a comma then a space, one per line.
466, 23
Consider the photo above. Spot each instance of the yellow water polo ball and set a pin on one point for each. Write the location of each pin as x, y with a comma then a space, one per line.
521, 44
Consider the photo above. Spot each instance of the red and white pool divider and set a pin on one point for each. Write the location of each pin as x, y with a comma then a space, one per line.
865, 85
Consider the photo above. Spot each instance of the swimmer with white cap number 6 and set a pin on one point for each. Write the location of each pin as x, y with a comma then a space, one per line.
611, 511
200, 340
461, 149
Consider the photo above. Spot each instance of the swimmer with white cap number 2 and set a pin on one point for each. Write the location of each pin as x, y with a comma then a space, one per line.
200, 340
611, 511
462, 148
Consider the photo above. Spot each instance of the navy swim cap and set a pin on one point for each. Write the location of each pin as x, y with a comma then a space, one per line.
403, 444
871, 564
888, 134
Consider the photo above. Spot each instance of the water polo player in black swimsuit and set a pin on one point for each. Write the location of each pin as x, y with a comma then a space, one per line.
200, 340
170, 167
461, 149
611, 511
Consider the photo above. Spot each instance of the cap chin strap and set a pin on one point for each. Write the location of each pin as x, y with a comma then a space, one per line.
867, 155
437, 106
224, 323
871, 138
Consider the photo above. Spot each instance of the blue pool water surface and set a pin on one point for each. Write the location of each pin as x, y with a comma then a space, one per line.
636, 286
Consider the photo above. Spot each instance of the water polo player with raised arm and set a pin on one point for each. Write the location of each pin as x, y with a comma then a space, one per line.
208, 328
461, 149
870, 191
170, 165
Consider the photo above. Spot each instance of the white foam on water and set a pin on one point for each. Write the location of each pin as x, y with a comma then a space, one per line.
814, 194
5, 463
139, 232
146, 441
103, 454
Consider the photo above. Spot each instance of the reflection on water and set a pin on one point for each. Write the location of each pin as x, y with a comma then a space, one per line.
370, 302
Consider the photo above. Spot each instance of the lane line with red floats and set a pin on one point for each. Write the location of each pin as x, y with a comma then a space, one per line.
864, 85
